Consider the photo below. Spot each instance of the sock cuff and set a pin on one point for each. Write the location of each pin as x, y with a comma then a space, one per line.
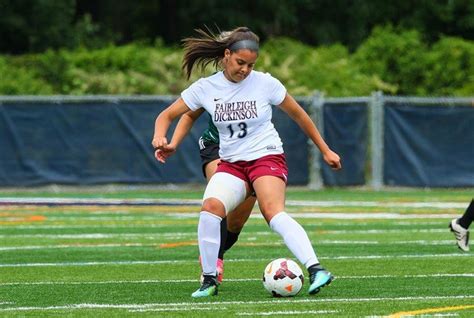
276, 218
210, 214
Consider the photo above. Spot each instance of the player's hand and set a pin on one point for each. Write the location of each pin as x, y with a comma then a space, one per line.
163, 153
332, 159
159, 142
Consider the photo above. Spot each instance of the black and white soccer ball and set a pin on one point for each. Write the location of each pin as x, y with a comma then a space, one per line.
283, 278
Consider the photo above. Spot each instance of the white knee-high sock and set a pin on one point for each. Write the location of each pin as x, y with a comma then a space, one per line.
209, 238
295, 238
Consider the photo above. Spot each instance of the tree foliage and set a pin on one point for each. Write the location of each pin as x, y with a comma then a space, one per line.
392, 60
402, 58
36, 25
340, 47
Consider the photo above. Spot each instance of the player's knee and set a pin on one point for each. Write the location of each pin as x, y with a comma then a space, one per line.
214, 206
270, 208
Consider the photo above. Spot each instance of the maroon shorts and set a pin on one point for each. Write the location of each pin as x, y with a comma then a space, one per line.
249, 171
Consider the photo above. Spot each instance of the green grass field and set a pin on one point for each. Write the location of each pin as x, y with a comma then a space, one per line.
391, 252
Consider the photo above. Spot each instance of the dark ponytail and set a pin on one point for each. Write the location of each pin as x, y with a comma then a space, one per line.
210, 47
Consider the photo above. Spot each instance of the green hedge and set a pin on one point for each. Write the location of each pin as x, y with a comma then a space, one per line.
394, 61
400, 57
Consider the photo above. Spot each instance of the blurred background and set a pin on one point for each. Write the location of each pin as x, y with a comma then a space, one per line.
390, 85
78, 47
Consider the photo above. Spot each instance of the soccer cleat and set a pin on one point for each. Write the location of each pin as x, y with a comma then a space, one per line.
461, 234
318, 278
208, 287
220, 270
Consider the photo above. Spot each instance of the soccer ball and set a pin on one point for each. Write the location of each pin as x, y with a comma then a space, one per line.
283, 277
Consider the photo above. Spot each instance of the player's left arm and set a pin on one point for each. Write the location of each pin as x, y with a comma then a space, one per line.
299, 115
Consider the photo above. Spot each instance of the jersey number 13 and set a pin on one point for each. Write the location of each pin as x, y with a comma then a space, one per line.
241, 131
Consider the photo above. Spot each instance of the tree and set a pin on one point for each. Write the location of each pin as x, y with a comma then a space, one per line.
35, 25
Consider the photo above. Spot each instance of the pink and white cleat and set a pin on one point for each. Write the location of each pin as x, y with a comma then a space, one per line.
220, 270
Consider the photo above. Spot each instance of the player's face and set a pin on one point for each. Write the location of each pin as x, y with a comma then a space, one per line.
239, 64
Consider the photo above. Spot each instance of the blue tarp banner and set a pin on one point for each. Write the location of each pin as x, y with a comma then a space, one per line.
428, 146
87, 143
345, 131
105, 142
295, 145
108, 141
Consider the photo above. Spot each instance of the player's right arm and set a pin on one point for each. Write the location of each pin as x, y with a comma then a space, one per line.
163, 122
183, 127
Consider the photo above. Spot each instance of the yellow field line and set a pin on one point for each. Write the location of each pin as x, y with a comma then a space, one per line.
429, 310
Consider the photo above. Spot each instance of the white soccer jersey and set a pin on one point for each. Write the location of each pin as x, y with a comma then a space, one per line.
242, 113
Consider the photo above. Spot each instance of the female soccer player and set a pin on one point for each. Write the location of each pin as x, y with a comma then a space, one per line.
239, 100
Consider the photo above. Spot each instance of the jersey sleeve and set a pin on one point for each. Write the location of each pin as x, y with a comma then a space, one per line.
192, 95
276, 90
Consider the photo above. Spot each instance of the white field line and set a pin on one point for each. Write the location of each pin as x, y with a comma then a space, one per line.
174, 235
433, 205
193, 216
352, 242
342, 257
171, 235
184, 308
344, 216
161, 226
385, 216
297, 215
433, 223
99, 201
215, 303
277, 243
288, 313
67, 217
89, 226
75, 246
194, 280
347, 216
95, 201
369, 231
